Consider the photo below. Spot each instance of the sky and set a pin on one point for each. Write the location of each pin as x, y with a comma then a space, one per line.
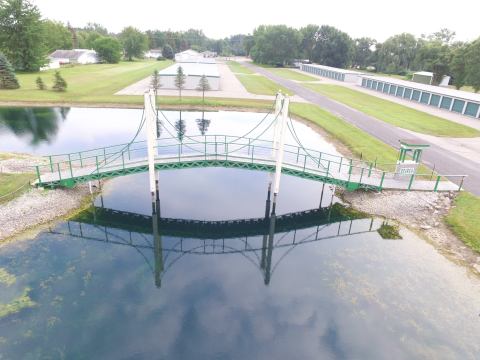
218, 19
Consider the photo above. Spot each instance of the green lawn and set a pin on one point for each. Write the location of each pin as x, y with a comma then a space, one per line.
86, 83
292, 74
393, 113
260, 85
9, 183
238, 68
464, 219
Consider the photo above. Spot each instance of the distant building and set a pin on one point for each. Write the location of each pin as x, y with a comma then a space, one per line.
75, 56
334, 73
153, 54
193, 73
461, 102
209, 54
423, 77
192, 56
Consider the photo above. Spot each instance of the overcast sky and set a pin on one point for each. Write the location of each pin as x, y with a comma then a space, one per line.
374, 18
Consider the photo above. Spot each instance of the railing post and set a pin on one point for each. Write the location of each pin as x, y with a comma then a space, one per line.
123, 161
340, 167
298, 153
128, 151
370, 170
253, 149
96, 164
411, 182
304, 162
70, 165
205, 147
81, 160
350, 169
105, 155
361, 175
436, 183
51, 163
319, 159
461, 183
59, 173
328, 167
179, 151
381, 181
38, 174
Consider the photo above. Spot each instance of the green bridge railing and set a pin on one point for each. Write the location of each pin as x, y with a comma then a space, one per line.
221, 150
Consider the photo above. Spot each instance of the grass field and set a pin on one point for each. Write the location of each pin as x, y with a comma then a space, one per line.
393, 113
238, 68
463, 219
292, 74
10, 183
260, 85
86, 83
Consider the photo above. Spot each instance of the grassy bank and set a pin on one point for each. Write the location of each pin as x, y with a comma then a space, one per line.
292, 74
86, 83
393, 113
254, 83
13, 185
463, 219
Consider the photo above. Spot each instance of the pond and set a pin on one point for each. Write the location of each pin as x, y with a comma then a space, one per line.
115, 282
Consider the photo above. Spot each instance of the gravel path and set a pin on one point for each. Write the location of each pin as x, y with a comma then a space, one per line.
38, 207
423, 211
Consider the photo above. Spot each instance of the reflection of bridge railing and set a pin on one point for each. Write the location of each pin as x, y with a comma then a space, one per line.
210, 229
227, 151
169, 245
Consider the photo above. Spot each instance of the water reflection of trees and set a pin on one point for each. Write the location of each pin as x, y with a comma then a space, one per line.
203, 124
39, 124
181, 128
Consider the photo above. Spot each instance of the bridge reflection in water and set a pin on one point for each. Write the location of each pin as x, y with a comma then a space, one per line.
255, 239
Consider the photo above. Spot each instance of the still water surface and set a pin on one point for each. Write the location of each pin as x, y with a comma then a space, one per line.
108, 289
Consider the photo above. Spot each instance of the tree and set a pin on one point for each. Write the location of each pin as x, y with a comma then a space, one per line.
56, 36
307, 42
203, 85
21, 35
40, 83
155, 82
333, 47
109, 49
364, 52
59, 83
180, 80
397, 54
434, 56
472, 64
457, 65
275, 45
135, 43
167, 52
8, 80
248, 44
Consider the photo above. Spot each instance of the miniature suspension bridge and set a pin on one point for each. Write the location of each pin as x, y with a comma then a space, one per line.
249, 151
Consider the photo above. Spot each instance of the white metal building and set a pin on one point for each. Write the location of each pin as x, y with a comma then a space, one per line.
334, 73
462, 102
192, 56
153, 54
193, 73
75, 56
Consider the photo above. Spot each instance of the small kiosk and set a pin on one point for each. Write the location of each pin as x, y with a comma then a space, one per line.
409, 158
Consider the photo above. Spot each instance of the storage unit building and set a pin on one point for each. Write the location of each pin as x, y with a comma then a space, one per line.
332, 73
461, 102
193, 73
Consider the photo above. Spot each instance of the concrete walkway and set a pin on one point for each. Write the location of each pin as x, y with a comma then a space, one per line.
444, 160
230, 87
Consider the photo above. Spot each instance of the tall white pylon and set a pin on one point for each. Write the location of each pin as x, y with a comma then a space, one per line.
151, 127
283, 102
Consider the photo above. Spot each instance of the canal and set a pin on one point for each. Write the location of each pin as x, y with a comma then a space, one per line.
216, 280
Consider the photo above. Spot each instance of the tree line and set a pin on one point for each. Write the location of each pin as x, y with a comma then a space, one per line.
26, 39
400, 54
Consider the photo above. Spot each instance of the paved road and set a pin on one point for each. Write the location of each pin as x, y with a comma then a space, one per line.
445, 162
